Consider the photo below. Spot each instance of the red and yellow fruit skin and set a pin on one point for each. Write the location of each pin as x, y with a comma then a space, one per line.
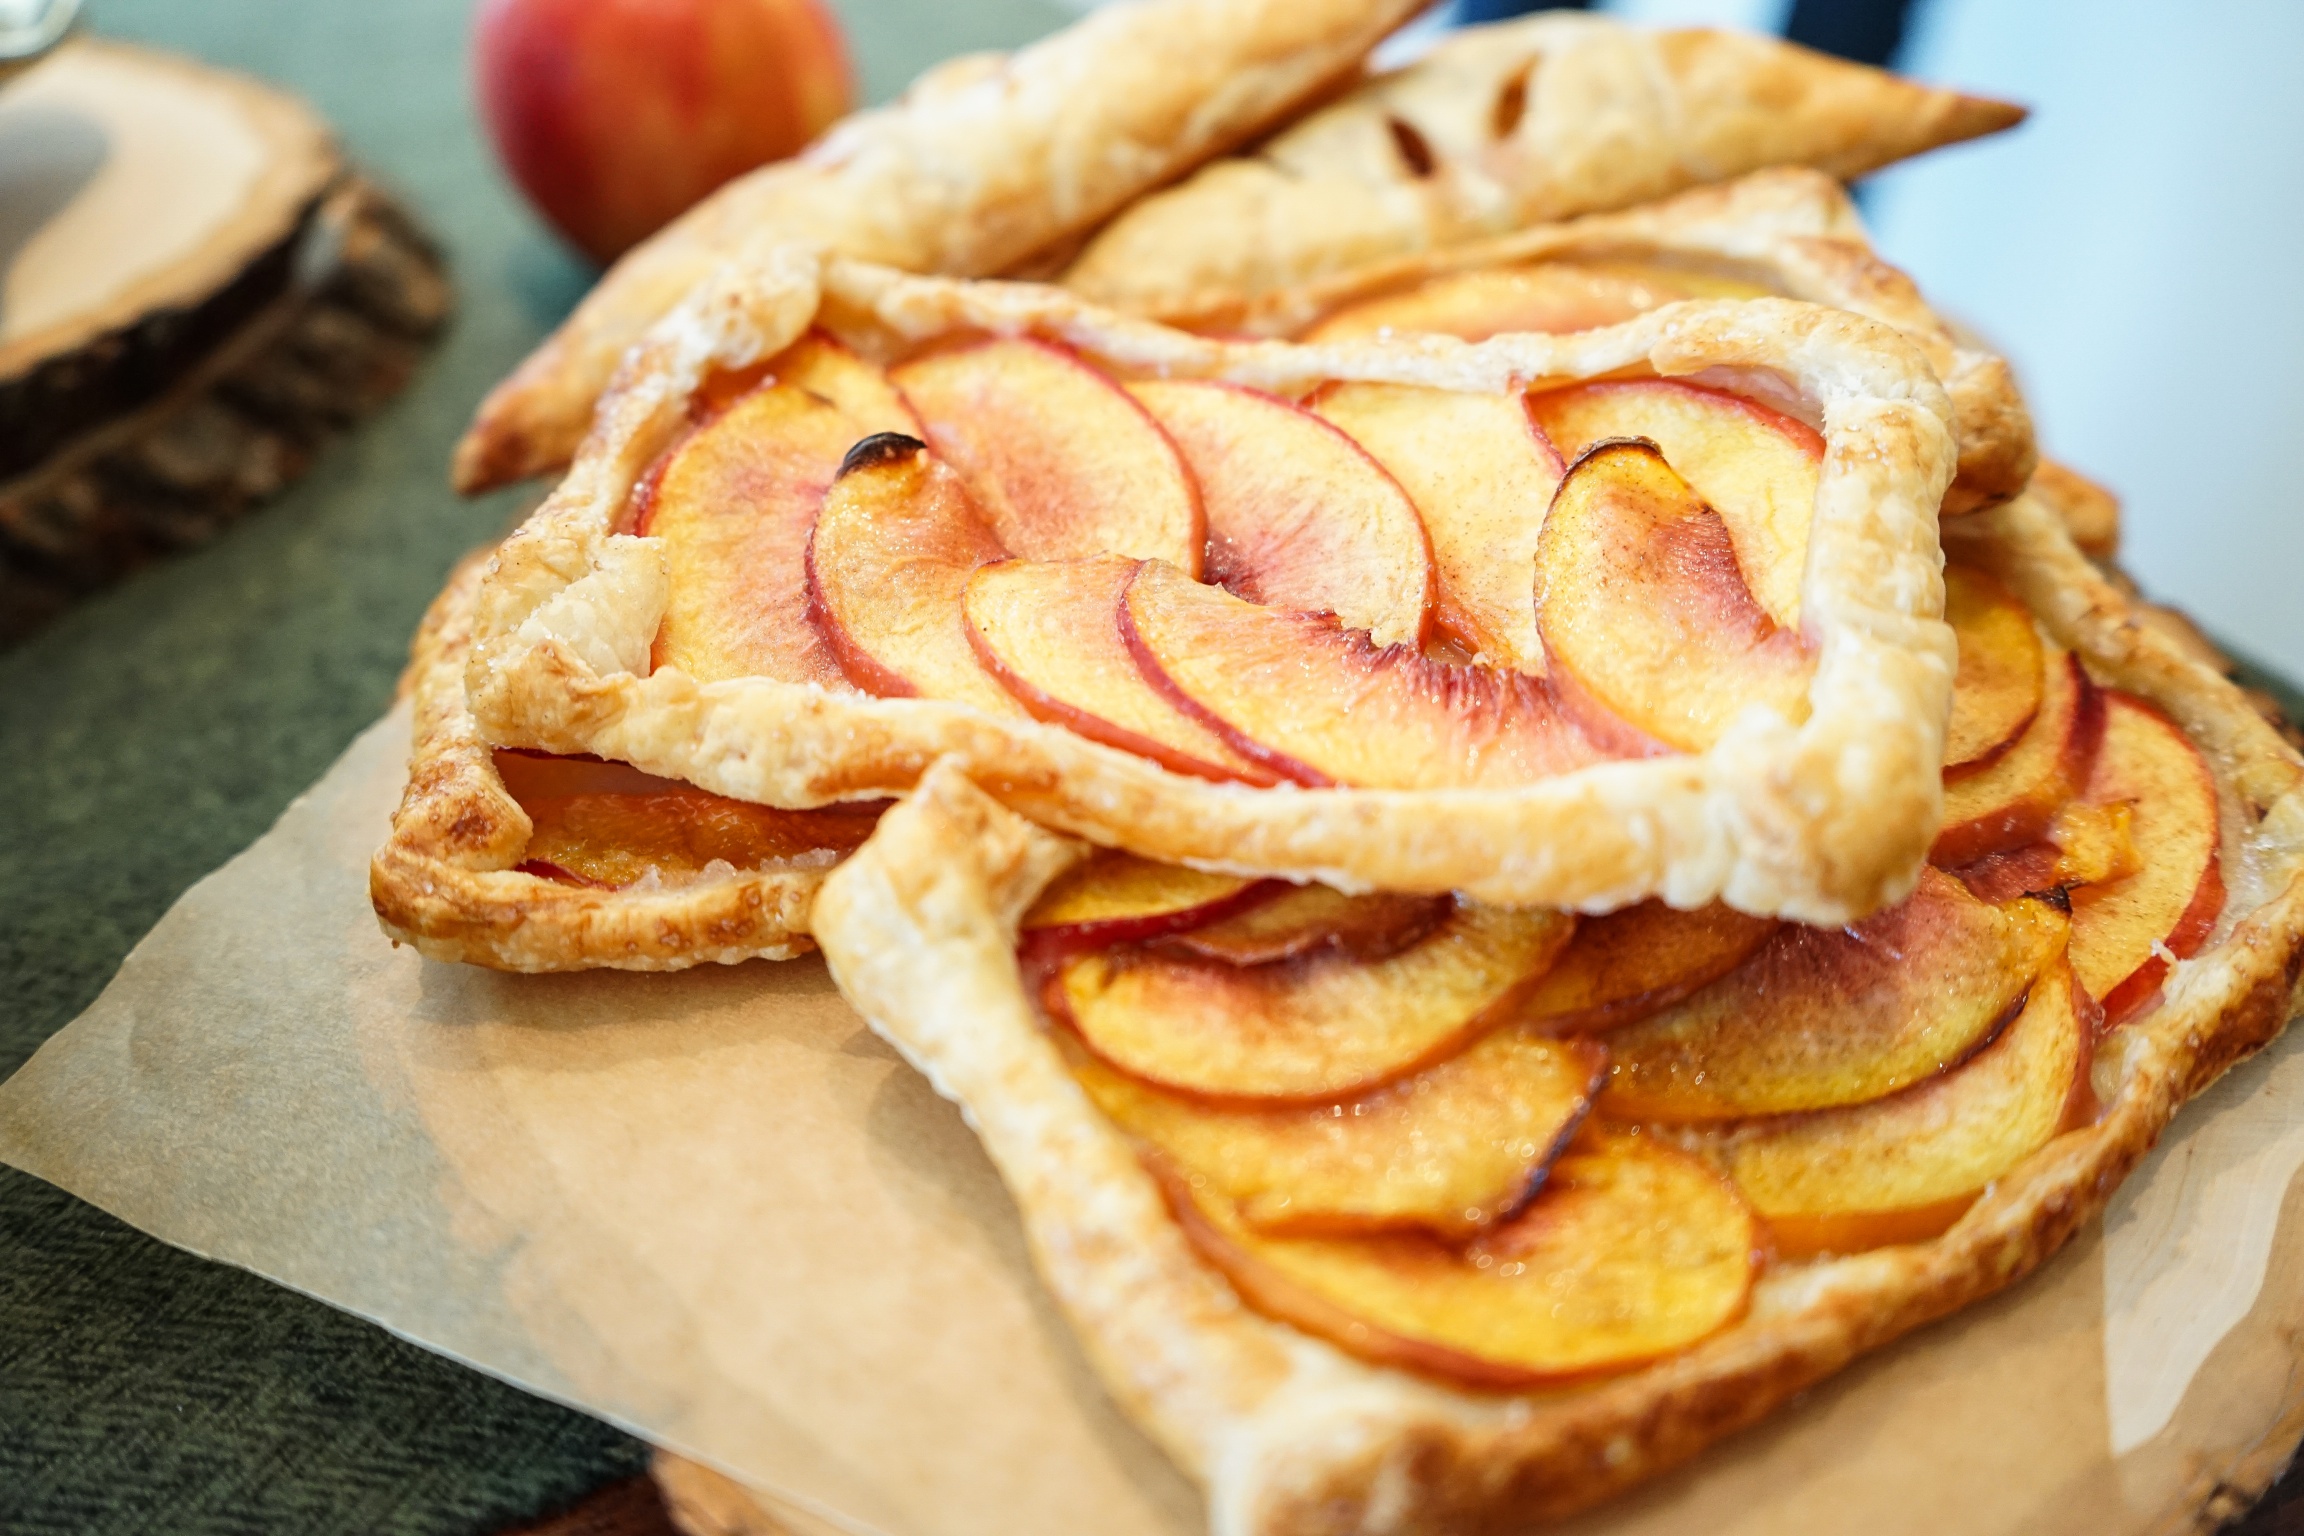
1708, 1205
2072, 1016
614, 116
2013, 799
2126, 932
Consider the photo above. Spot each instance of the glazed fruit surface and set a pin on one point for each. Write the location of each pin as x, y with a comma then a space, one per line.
1376, 586
1503, 1147
1509, 1157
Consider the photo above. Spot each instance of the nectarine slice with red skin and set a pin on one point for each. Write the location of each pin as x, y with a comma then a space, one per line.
1049, 630
1821, 1017
1996, 691
1064, 464
1756, 467
2085, 845
823, 366
734, 502
1117, 898
1316, 1027
2120, 929
1481, 474
1625, 965
1299, 516
545, 869
1904, 1168
1321, 704
1553, 296
2013, 799
1646, 621
532, 775
609, 824
1632, 1251
1303, 918
1455, 1148
888, 566
616, 840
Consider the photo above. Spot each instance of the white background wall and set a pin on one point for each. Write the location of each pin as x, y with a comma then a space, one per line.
2137, 248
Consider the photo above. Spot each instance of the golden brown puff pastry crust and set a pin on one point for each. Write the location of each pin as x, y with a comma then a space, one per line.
1826, 820
1290, 1436
2089, 511
1507, 125
445, 880
1789, 229
983, 162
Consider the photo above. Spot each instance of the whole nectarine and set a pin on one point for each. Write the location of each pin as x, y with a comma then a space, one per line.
615, 115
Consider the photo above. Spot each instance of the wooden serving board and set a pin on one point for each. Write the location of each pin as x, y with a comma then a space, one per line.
195, 291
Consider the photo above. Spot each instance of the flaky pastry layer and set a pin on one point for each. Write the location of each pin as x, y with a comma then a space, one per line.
1290, 1436
984, 162
1503, 126
1824, 821
445, 880
1791, 230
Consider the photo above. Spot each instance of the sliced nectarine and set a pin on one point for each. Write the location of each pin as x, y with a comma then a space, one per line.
1299, 516
888, 564
1756, 467
1633, 1250
734, 502
618, 839
1049, 630
2086, 845
1063, 462
1321, 704
1454, 1148
1555, 296
1302, 918
1996, 691
609, 824
1644, 614
531, 775
1118, 898
1481, 475
2123, 932
1904, 1168
1827, 1016
2095, 844
1320, 1025
2011, 800
1628, 964
828, 370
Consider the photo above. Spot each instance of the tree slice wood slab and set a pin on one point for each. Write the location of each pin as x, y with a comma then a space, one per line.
195, 291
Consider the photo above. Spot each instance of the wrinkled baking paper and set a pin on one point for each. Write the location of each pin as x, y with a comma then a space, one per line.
2185, 1253
715, 1209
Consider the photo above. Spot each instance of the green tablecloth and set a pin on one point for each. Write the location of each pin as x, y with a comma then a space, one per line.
155, 732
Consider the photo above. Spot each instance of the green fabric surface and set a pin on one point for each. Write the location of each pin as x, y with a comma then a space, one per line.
157, 730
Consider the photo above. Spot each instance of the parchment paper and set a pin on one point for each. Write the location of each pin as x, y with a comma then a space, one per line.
714, 1208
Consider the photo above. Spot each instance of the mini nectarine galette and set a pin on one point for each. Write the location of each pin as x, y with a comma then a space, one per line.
1421, 1212
1577, 920
1649, 610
